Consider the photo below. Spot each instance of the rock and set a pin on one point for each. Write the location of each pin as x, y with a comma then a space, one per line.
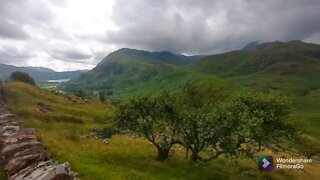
28, 151
7, 116
29, 131
44, 107
106, 141
4, 129
15, 139
15, 165
11, 149
46, 170
94, 129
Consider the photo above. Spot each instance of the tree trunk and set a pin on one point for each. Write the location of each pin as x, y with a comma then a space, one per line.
187, 153
194, 157
163, 154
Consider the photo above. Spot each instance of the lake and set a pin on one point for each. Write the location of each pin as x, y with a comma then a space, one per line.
58, 80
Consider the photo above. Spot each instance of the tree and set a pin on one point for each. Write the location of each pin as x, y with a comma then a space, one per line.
253, 120
23, 77
81, 94
265, 119
204, 122
154, 118
196, 104
102, 96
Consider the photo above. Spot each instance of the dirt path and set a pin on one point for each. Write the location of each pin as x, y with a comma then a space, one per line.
23, 156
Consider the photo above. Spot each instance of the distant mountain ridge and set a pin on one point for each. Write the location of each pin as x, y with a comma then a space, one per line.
38, 73
161, 57
129, 71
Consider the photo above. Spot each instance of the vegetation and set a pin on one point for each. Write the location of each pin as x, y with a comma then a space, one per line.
199, 122
126, 156
23, 77
154, 118
102, 96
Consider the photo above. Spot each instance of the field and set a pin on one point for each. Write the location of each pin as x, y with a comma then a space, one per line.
62, 123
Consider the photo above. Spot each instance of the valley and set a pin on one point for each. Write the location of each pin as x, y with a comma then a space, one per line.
69, 126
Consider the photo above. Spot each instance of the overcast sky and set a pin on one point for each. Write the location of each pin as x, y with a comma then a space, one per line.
77, 34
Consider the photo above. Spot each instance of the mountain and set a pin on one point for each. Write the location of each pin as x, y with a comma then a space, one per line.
251, 46
126, 55
276, 58
293, 67
38, 73
126, 67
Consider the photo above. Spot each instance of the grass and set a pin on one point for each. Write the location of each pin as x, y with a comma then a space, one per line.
122, 158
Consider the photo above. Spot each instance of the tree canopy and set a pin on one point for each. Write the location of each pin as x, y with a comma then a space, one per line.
23, 77
202, 120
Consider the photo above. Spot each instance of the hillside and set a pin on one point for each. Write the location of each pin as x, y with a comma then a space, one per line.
125, 68
291, 58
64, 125
127, 71
38, 73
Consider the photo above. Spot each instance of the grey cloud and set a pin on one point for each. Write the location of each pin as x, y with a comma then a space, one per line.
72, 55
211, 26
13, 54
25, 11
12, 30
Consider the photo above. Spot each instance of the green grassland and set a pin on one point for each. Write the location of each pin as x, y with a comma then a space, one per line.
62, 127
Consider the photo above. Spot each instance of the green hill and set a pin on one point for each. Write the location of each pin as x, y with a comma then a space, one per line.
294, 57
127, 71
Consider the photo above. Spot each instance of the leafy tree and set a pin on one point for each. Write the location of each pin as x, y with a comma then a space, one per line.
255, 120
205, 123
102, 96
154, 118
23, 77
196, 104
265, 119
81, 94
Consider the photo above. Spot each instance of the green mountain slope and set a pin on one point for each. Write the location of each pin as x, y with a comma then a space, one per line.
280, 64
279, 58
126, 69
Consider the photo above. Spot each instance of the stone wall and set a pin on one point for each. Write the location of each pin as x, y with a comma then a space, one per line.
23, 156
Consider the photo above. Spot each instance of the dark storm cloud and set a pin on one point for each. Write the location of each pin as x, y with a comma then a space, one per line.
211, 26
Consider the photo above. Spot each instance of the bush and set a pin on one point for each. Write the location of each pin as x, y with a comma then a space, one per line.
107, 132
23, 77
